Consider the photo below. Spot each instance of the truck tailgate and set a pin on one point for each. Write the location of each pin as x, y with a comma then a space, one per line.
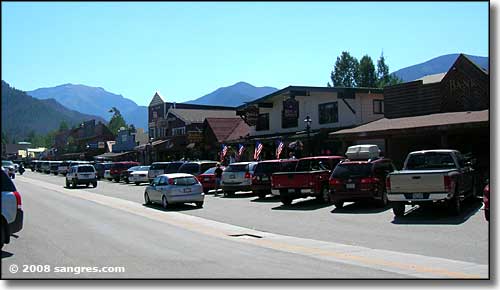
291, 180
418, 181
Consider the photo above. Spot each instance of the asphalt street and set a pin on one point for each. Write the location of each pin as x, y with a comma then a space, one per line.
66, 227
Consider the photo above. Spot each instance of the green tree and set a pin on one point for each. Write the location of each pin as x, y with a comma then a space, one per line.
367, 76
346, 71
63, 126
116, 121
383, 76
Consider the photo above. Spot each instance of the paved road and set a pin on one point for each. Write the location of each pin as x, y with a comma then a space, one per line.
55, 237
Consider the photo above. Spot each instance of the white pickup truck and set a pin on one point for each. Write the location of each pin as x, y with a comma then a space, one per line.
431, 176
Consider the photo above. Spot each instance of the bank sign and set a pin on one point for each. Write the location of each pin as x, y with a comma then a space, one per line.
290, 113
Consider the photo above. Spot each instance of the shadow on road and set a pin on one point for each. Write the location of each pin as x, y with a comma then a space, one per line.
438, 214
267, 199
172, 207
238, 195
360, 208
308, 204
6, 254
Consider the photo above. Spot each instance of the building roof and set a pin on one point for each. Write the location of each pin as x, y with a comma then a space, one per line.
198, 116
429, 79
157, 100
228, 128
418, 122
312, 89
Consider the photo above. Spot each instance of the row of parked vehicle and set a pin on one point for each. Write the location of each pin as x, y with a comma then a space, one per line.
431, 176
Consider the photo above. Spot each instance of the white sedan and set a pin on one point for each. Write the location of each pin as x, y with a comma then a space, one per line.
139, 175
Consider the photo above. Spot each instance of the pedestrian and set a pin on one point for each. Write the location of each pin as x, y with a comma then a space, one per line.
218, 178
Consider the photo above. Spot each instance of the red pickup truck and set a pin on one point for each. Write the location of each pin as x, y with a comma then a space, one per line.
309, 179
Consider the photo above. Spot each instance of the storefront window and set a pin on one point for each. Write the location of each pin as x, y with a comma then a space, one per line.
328, 113
262, 122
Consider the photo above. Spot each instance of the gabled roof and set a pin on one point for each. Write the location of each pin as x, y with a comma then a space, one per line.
157, 100
429, 79
228, 128
418, 122
198, 116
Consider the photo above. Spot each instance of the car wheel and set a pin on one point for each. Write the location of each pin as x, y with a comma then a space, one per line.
325, 196
87, 184
261, 194
117, 179
398, 208
110, 179
94, 184
127, 181
74, 183
164, 202
199, 204
286, 200
454, 205
205, 190
384, 201
146, 199
137, 183
228, 193
339, 204
67, 184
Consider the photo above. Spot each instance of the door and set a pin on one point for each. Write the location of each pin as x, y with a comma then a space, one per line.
161, 188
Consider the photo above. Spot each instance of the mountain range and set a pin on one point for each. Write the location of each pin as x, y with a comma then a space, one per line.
22, 114
98, 101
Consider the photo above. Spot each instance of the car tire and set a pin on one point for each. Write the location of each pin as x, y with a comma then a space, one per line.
228, 193
137, 183
338, 204
384, 201
286, 200
87, 184
94, 184
127, 181
147, 201
325, 195
67, 184
398, 208
261, 194
164, 202
110, 179
117, 179
74, 184
455, 205
199, 204
205, 190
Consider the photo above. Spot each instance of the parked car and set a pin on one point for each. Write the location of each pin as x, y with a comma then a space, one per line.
431, 176
174, 188
360, 180
486, 201
33, 164
139, 175
261, 182
207, 179
125, 174
196, 167
9, 165
101, 168
38, 166
64, 167
309, 179
12, 210
54, 167
158, 168
45, 168
237, 177
107, 174
118, 167
81, 174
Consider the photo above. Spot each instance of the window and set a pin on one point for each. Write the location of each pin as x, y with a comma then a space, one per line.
328, 113
262, 122
178, 131
378, 106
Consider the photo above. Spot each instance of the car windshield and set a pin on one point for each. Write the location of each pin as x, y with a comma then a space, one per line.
156, 166
142, 168
210, 171
134, 168
430, 160
236, 168
86, 168
189, 168
186, 181
313, 164
7, 163
352, 170
267, 167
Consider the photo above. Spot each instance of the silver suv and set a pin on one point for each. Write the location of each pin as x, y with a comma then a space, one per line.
237, 177
12, 209
81, 174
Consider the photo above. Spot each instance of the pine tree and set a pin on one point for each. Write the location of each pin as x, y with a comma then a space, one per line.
346, 71
367, 76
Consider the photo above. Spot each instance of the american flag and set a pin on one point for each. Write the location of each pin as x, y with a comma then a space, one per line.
279, 149
241, 148
258, 149
224, 151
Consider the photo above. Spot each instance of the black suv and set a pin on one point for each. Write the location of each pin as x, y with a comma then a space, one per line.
261, 181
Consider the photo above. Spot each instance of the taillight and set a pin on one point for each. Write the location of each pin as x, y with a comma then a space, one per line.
335, 181
18, 200
248, 175
369, 180
447, 183
388, 183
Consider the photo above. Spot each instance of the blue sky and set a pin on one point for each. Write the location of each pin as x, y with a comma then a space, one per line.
186, 50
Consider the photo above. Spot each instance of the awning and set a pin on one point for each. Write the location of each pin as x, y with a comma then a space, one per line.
111, 155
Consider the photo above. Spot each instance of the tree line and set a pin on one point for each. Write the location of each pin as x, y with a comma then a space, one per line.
349, 72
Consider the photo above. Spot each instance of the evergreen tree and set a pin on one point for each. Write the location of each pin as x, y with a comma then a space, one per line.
346, 71
383, 76
116, 121
367, 76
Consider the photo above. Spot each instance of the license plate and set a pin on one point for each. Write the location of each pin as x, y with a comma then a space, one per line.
206, 179
350, 186
291, 191
187, 189
232, 176
265, 178
418, 195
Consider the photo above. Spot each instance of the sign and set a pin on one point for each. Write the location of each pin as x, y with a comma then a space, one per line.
290, 113
251, 115
194, 136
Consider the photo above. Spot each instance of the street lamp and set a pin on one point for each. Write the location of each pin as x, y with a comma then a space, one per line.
150, 150
308, 121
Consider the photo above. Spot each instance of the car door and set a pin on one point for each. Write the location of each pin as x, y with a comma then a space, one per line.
153, 189
161, 188
466, 174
